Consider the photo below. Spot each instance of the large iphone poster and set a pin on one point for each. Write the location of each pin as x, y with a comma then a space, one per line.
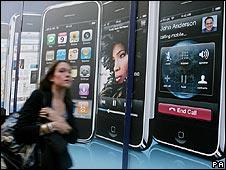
70, 32
113, 72
28, 57
189, 75
4, 51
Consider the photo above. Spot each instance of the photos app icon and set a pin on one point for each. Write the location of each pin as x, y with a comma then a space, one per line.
74, 36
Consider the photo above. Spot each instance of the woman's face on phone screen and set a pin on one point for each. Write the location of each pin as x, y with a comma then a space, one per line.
120, 58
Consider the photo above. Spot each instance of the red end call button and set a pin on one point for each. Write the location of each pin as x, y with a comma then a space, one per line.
185, 111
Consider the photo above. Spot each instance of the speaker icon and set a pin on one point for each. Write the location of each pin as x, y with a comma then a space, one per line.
204, 54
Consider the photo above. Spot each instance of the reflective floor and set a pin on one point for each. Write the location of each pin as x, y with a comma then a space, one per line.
101, 154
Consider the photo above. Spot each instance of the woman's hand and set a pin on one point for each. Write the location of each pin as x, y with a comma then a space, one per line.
61, 127
58, 122
50, 114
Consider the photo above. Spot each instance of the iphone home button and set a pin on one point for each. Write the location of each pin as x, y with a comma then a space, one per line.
113, 132
180, 137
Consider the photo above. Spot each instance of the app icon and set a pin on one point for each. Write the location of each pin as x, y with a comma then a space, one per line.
73, 54
202, 80
84, 89
62, 37
51, 39
85, 71
204, 54
83, 107
50, 55
87, 35
74, 36
168, 56
61, 54
74, 73
86, 53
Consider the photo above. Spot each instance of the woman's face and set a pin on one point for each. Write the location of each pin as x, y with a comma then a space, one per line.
62, 75
120, 58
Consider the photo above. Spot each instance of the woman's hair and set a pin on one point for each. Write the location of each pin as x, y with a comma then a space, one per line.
46, 84
107, 44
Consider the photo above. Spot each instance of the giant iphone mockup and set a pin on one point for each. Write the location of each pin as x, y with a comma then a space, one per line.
26, 50
190, 92
4, 53
70, 31
113, 71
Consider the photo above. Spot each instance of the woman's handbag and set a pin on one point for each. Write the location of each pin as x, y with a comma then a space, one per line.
17, 156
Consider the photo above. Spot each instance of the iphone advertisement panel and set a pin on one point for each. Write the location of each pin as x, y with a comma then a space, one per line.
190, 79
4, 53
73, 36
113, 74
28, 59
